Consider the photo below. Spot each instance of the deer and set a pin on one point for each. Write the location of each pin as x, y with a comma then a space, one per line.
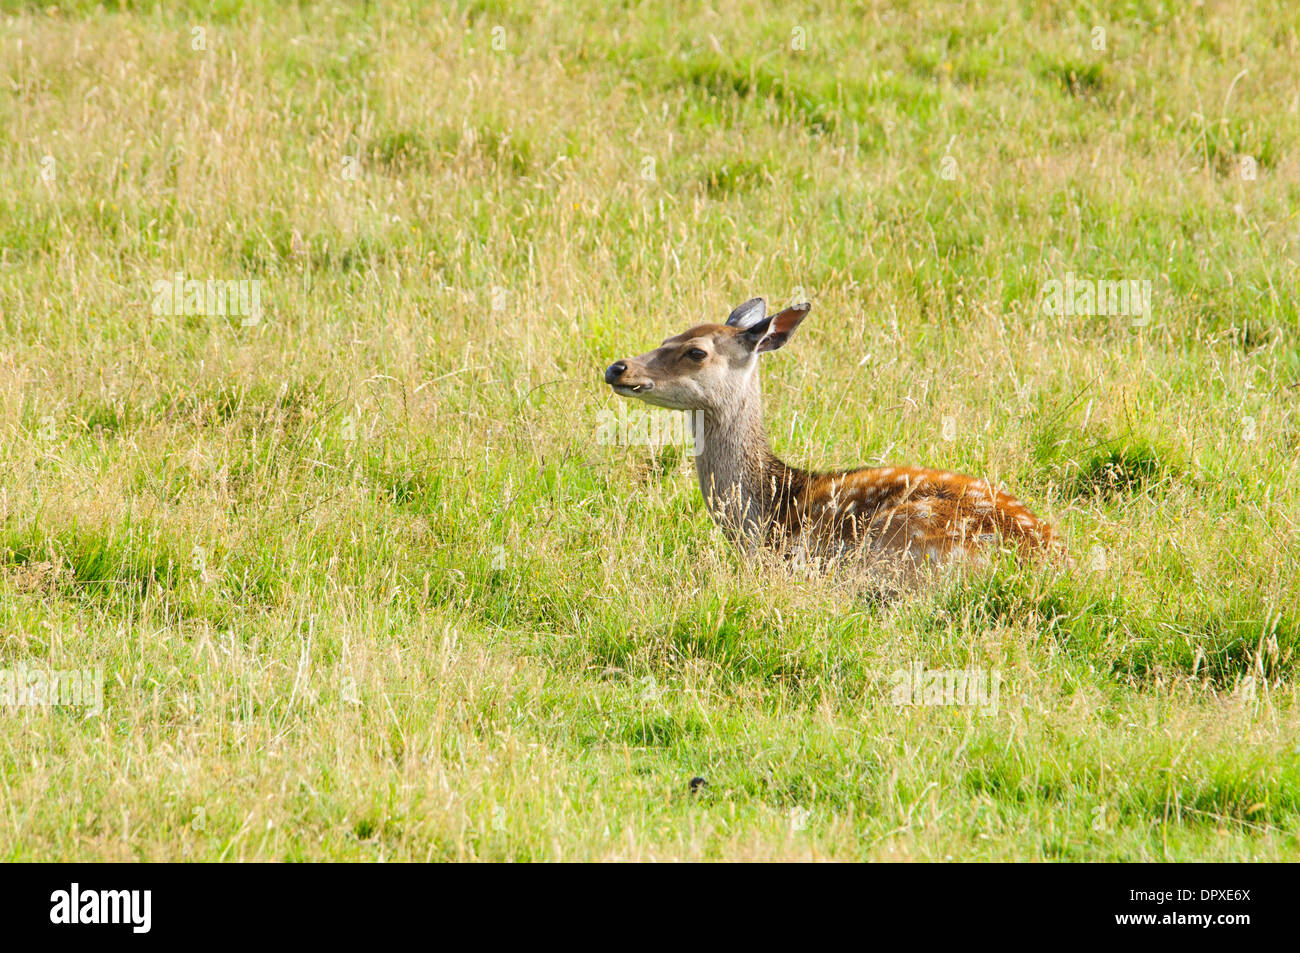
902, 521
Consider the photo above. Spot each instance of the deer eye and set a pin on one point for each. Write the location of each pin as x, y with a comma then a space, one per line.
697, 354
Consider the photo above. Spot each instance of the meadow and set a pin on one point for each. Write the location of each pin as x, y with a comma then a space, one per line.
361, 572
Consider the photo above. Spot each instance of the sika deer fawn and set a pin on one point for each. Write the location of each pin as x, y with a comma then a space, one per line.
898, 519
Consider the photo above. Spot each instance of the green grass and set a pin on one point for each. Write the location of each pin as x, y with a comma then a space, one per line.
363, 581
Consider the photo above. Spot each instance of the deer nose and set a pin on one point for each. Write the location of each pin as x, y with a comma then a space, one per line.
614, 372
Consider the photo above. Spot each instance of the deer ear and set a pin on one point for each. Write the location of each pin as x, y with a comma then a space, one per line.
779, 327
748, 314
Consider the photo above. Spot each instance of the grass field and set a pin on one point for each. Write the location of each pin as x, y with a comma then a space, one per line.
363, 579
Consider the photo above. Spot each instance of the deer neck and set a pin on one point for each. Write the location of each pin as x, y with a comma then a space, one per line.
734, 464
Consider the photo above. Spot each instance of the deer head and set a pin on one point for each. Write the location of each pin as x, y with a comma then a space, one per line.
711, 371
710, 367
